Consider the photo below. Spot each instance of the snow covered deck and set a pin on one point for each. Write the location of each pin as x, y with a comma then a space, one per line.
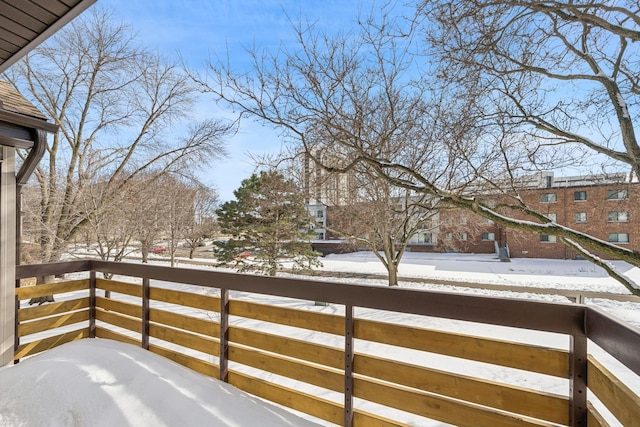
368, 355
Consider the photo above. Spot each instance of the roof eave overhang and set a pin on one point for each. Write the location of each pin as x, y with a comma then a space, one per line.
30, 133
61, 22
22, 120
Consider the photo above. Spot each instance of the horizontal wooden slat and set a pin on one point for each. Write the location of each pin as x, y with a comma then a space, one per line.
188, 299
34, 347
121, 307
312, 405
365, 419
520, 400
126, 322
26, 271
515, 355
50, 309
53, 322
436, 407
321, 322
299, 349
623, 403
119, 287
594, 418
181, 321
55, 288
105, 333
206, 368
331, 379
186, 339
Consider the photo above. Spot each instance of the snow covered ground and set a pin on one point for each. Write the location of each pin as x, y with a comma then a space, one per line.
486, 268
551, 274
464, 268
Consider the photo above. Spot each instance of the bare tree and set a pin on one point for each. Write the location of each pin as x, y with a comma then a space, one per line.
381, 218
559, 77
442, 131
183, 211
117, 106
339, 98
179, 212
202, 225
147, 216
111, 227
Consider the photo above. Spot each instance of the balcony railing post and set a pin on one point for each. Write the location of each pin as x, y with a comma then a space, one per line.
146, 290
348, 365
224, 335
578, 381
92, 304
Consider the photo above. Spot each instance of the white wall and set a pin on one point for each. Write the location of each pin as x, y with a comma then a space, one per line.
7, 253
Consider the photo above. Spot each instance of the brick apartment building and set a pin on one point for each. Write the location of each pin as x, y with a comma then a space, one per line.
607, 210
606, 207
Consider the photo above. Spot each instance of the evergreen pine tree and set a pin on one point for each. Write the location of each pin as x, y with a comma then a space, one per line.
268, 225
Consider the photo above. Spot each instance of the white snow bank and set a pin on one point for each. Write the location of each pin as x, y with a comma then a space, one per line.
95, 382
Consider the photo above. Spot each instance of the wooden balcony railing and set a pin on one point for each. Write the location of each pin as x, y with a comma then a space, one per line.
342, 363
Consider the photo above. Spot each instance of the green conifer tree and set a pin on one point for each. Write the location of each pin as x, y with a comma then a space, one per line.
268, 225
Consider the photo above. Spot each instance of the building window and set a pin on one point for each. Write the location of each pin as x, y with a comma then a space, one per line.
553, 217
548, 198
448, 236
547, 238
488, 236
463, 236
580, 195
320, 236
319, 214
425, 237
619, 238
619, 216
580, 216
617, 194
462, 220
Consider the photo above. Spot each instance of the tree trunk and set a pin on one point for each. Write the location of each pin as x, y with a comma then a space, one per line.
392, 268
47, 298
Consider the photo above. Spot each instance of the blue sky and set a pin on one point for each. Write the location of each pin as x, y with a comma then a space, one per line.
195, 30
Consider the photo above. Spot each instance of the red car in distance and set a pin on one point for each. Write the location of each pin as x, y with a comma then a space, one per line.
158, 249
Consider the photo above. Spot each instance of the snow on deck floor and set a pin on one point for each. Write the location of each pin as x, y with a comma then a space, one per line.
95, 382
